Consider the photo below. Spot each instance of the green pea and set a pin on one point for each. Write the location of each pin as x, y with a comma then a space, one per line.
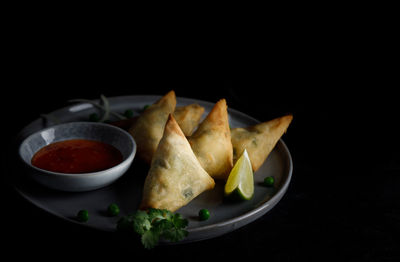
83, 215
113, 210
94, 117
204, 214
128, 113
269, 181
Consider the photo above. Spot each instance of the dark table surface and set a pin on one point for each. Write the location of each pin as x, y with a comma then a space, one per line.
344, 198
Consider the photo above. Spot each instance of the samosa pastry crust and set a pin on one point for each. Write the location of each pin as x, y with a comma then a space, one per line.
211, 142
175, 176
149, 127
259, 140
188, 117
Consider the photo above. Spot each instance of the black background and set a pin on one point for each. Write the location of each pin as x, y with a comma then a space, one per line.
343, 201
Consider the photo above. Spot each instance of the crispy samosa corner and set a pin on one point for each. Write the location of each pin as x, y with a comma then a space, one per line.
175, 176
259, 140
211, 142
188, 117
148, 129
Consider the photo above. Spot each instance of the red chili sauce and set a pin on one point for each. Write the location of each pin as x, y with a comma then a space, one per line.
77, 156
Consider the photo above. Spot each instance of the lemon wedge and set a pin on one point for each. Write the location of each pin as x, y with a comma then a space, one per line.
240, 183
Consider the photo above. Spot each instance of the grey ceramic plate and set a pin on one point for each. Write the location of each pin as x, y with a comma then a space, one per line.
126, 192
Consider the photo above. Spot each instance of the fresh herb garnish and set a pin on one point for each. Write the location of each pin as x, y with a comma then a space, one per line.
154, 225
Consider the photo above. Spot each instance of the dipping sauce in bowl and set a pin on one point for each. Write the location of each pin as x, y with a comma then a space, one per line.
77, 156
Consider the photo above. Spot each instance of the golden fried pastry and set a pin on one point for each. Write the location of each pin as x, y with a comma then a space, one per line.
188, 117
259, 140
148, 129
175, 176
211, 142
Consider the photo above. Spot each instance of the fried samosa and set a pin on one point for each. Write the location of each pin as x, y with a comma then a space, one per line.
259, 140
188, 117
211, 142
148, 129
175, 176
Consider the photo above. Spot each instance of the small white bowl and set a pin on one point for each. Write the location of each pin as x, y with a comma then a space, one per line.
106, 133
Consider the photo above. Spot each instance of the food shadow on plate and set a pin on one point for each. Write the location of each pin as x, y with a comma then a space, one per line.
128, 189
210, 200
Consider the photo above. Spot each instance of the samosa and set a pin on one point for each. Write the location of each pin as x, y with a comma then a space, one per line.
188, 117
259, 140
211, 142
148, 129
175, 176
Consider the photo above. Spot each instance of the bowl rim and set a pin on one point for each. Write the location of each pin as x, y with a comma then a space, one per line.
128, 159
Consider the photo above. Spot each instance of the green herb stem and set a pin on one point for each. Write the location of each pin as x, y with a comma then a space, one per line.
98, 106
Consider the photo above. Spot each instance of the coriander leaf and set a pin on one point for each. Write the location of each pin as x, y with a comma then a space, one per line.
155, 224
167, 214
162, 225
178, 221
175, 234
124, 224
141, 222
156, 214
150, 239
